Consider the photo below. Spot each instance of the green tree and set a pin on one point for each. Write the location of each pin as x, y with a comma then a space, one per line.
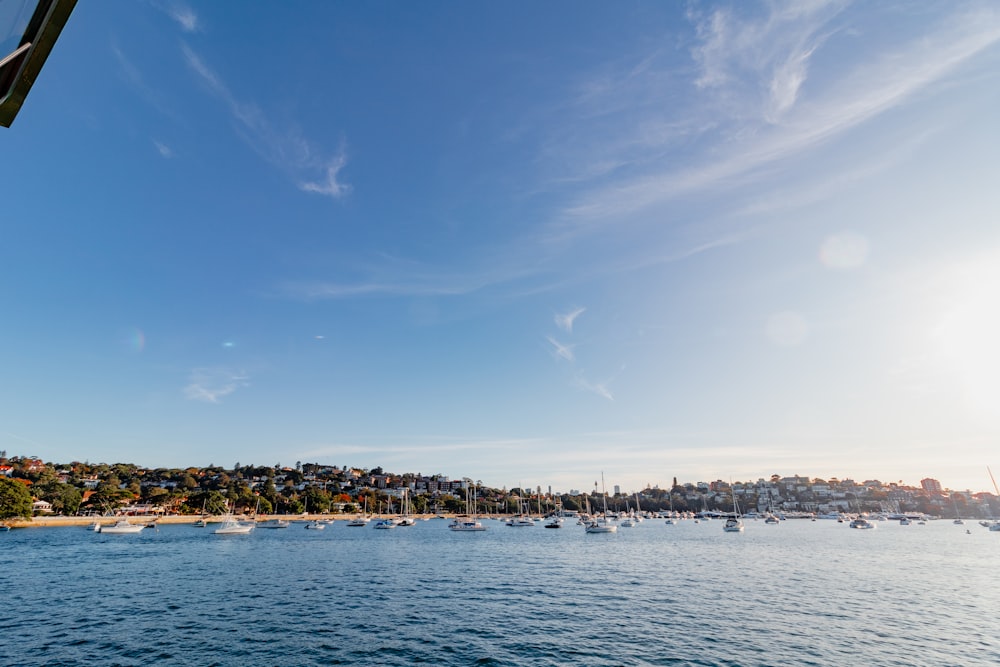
156, 495
15, 501
65, 498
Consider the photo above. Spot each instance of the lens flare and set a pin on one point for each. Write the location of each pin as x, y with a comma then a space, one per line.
134, 340
847, 250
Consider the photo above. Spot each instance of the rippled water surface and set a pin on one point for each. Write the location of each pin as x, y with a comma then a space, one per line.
799, 593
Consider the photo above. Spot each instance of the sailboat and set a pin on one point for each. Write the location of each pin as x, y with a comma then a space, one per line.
361, 520
601, 524
203, 519
672, 518
734, 524
406, 519
958, 519
469, 524
995, 526
523, 519
628, 521
770, 518
385, 522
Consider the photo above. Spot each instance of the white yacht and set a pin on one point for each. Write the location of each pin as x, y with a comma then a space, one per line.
122, 527
230, 526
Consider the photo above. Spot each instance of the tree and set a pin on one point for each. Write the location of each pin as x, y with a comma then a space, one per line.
15, 501
65, 498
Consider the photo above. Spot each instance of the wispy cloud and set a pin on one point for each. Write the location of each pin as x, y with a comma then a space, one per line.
565, 321
560, 350
185, 17
390, 276
770, 52
163, 149
330, 187
285, 149
599, 388
753, 102
133, 77
210, 385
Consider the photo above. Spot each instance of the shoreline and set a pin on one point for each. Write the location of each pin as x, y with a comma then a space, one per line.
58, 521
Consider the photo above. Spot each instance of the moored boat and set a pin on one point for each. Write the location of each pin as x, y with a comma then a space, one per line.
122, 527
734, 524
601, 524
468, 524
230, 526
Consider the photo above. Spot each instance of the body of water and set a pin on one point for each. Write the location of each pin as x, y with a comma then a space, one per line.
799, 593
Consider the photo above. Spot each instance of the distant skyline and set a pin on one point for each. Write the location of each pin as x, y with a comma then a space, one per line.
703, 240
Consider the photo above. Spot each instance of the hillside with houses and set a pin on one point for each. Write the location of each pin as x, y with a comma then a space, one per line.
82, 488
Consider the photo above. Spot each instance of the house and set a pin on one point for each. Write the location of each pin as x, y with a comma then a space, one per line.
41, 507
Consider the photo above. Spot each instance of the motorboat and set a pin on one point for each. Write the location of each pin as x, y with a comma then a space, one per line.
466, 525
122, 527
521, 521
385, 524
862, 523
230, 526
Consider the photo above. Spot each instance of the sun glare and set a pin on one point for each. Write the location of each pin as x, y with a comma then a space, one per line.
966, 336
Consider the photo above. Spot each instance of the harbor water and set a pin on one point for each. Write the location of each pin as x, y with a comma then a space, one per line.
798, 593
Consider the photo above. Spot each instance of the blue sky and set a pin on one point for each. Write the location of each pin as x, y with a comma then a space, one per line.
522, 242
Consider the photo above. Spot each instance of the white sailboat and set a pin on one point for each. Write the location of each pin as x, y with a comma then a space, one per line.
406, 519
958, 519
995, 526
361, 520
523, 519
468, 524
601, 524
734, 524
671, 519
